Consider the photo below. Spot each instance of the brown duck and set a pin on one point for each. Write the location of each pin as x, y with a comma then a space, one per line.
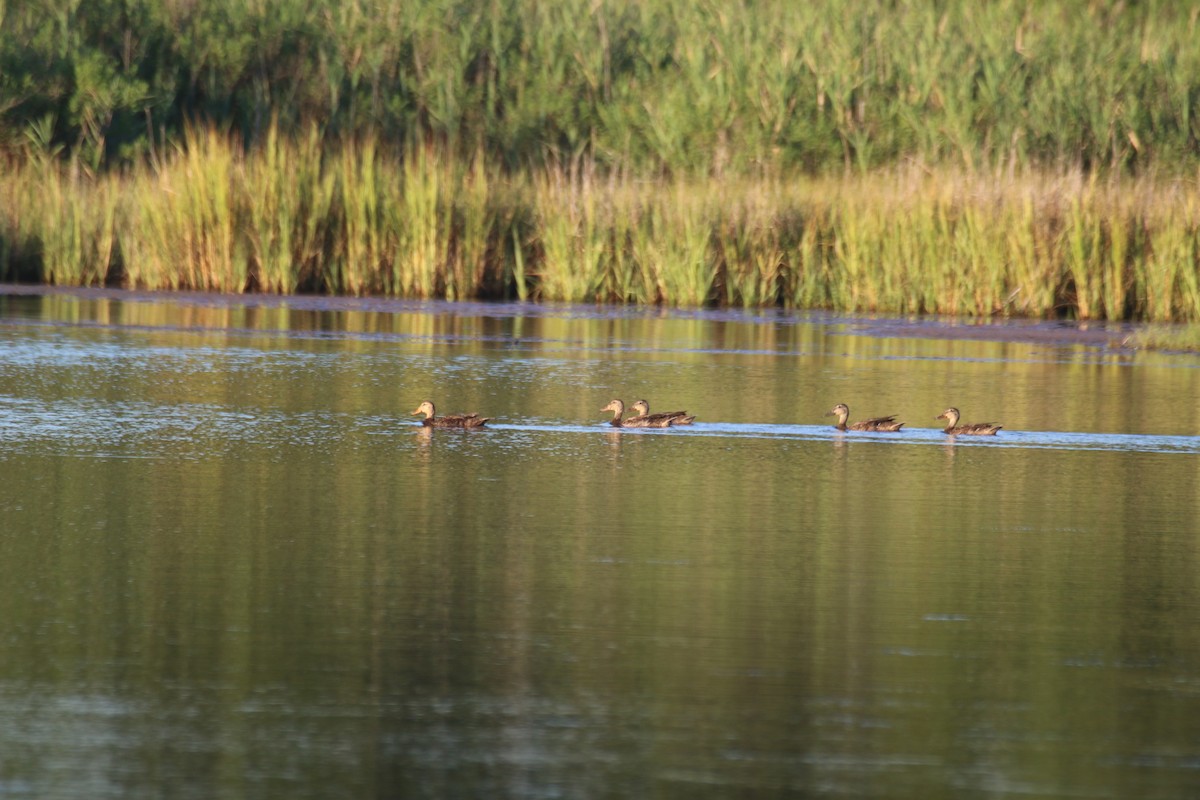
618, 408
951, 416
450, 421
642, 409
842, 412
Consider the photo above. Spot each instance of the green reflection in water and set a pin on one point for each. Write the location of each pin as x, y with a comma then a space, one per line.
233, 564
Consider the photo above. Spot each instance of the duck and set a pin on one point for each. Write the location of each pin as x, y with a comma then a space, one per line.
952, 416
451, 420
842, 412
642, 409
618, 408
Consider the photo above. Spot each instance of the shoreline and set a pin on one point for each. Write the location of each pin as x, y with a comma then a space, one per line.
1104, 335
356, 222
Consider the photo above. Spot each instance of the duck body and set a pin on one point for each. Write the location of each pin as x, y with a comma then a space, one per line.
952, 417
618, 409
463, 421
882, 424
641, 409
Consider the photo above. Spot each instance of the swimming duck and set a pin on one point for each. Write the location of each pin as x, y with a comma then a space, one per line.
450, 421
642, 409
842, 412
951, 416
618, 408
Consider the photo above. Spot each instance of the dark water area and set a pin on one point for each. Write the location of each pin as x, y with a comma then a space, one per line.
234, 565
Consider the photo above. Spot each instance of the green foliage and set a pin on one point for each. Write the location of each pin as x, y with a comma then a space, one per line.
662, 86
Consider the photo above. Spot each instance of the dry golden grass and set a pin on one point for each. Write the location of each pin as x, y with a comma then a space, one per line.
358, 218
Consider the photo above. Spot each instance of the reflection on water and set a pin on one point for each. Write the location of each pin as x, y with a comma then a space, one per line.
234, 564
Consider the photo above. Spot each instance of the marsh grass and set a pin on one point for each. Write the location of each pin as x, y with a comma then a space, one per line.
674, 248
76, 223
472, 217
421, 246
288, 220
750, 251
183, 220
625, 281
364, 201
359, 217
570, 236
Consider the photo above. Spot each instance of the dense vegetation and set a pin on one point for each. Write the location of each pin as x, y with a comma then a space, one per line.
673, 85
961, 157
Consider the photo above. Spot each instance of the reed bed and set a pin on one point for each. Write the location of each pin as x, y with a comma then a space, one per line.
190, 220
58, 225
1009, 157
358, 217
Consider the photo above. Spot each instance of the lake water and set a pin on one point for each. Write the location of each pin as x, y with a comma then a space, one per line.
234, 566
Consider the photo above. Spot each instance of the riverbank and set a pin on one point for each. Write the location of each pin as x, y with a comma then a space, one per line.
298, 216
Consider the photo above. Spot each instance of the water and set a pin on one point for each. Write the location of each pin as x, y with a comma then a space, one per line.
234, 566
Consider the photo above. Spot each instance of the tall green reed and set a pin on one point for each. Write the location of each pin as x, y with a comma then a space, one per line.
290, 198
1168, 276
624, 280
751, 247
573, 233
74, 222
673, 247
806, 273
364, 202
421, 217
473, 224
359, 216
184, 228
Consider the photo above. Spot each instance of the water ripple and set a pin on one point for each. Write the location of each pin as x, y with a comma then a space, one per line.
93, 425
1055, 440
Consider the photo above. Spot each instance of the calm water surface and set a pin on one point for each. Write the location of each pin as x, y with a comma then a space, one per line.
233, 566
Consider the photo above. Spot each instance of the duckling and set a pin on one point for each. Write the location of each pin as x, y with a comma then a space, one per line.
952, 416
618, 408
450, 421
642, 409
842, 412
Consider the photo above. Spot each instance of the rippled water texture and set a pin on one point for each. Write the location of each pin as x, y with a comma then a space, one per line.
234, 565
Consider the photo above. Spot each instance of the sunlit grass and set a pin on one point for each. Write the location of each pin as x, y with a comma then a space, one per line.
360, 217
572, 218
183, 226
76, 221
288, 224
